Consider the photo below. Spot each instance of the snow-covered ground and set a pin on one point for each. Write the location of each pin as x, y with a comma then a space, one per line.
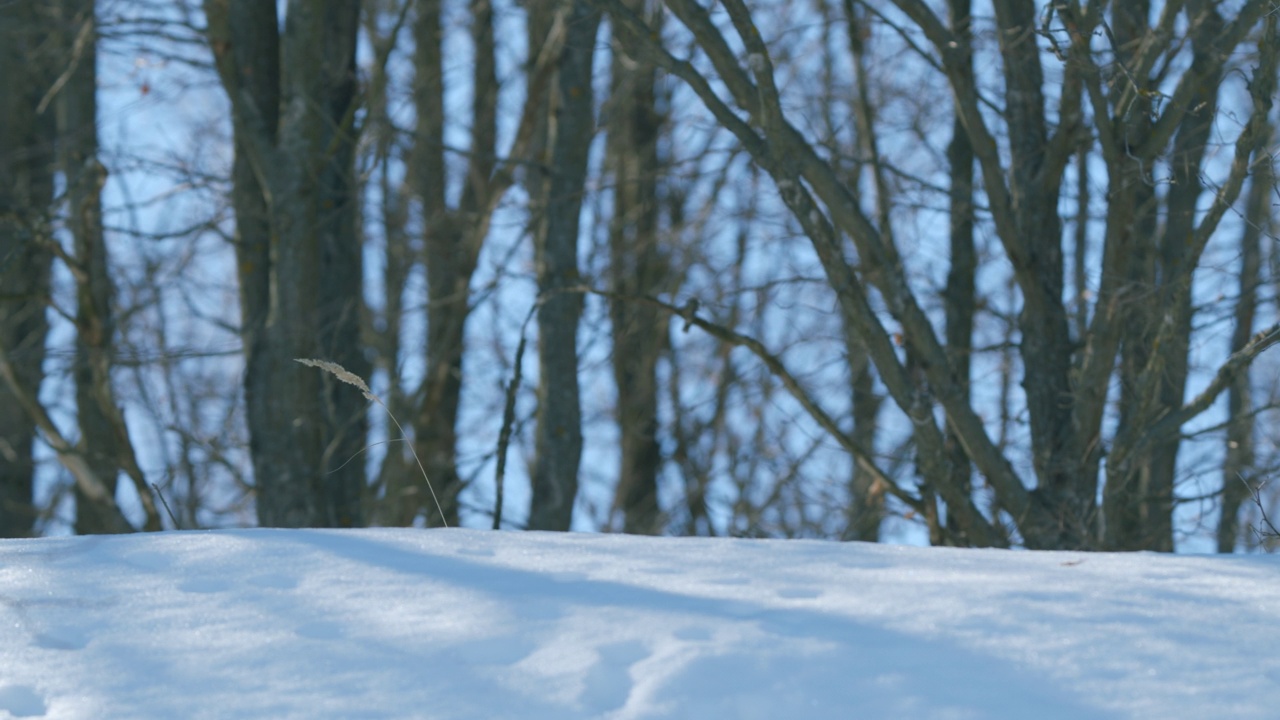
471, 624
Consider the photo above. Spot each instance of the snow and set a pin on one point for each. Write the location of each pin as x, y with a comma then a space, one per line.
471, 624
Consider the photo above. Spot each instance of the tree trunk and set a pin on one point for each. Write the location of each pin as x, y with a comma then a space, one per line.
1238, 473
399, 258
26, 193
1122, 497
960, 291
558, 441
293, 103
1034, 239
95, 322
866, 509
341, 299
452, 241
636, 268
1140, 500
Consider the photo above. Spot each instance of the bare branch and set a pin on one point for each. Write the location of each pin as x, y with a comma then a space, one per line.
88, 482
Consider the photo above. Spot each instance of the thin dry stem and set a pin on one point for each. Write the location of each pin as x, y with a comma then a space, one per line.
350, 378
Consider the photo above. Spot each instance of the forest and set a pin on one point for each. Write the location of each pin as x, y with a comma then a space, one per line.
948, 272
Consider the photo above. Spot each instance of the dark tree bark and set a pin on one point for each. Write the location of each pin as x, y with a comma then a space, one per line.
959, 294
1238, 472
71, 45
26, 193
1139, 513
1032, 237
293, 96
392, 211
341, 301
866, 510
1140, 476
453, 239
95, 318
558, 440
450, 263
454, 236
637, 267
1122, 502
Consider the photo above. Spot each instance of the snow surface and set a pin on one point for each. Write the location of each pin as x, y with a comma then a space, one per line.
472, 624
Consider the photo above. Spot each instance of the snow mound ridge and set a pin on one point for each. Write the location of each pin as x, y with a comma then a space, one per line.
478, 624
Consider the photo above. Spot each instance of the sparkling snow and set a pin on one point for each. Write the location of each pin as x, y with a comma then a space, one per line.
472, 624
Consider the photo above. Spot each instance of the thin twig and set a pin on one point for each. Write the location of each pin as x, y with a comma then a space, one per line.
508, 419
1269, 531
688, 312
165, 503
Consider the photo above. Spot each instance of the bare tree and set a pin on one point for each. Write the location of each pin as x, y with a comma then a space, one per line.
636, 267
386, 148
571, 121
960, 292
867, 497
1065, 378
95, 324
864, 270
1139, 507
454, 232
293, 99
453, 240
26, 196
1238, 472
104, 447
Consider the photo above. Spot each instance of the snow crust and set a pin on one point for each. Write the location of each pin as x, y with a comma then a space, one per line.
472, 624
